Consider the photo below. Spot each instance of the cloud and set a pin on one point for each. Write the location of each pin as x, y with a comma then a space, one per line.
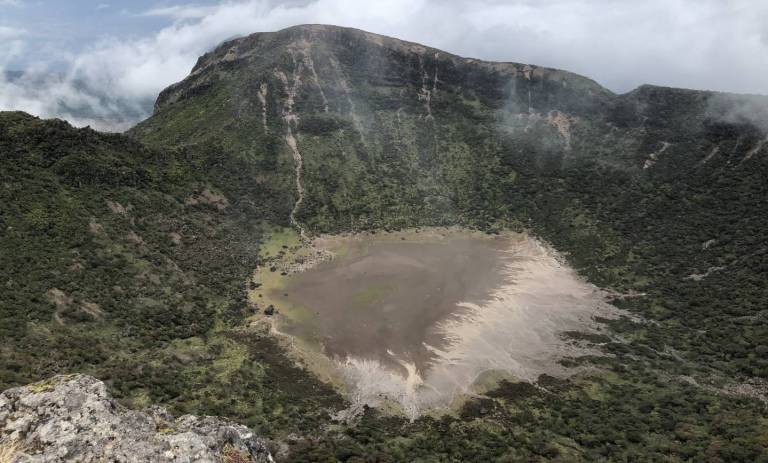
182, 11
48, 94
739, 110
704, 44
13, 46
7, 32
10, 2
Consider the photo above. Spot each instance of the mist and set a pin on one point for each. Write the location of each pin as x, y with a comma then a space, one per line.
739, 110
111, 83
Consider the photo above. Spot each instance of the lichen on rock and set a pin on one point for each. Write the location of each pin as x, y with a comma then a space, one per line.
73, 418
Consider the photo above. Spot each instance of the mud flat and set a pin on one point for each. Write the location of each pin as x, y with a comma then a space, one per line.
421, 318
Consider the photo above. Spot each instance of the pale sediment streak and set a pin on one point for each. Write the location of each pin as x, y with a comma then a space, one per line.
709, 156
290, 117
344, 84
527, 73
425, 94
561, 122
291, 140
654, 157
517, 331
262, 95
756, 149
434, 81
311, 66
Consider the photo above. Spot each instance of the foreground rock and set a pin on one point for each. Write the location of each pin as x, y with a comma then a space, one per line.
73, 418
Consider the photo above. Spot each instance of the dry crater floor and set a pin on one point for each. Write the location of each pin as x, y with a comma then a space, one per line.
420, 318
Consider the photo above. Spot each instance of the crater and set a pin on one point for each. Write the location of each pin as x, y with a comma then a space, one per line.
420, 319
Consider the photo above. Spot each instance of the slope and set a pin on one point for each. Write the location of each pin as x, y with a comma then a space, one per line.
655, 191
128, 258
124, 262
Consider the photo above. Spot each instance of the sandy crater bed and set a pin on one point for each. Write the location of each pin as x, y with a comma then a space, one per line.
420, 318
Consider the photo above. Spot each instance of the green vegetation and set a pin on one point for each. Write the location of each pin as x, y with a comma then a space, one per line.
106, 221
107, 267
625, 416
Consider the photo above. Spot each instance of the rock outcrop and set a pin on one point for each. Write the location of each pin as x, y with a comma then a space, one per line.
73, 418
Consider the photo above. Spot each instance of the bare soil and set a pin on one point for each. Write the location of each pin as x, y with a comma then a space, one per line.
384, 299
422, 319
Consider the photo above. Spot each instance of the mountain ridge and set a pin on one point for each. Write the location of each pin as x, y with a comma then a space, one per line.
343, 81
137, 251
315, 31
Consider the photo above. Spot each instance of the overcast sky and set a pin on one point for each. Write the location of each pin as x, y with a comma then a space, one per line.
110, 58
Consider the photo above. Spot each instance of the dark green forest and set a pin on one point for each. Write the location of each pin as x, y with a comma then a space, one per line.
127, 256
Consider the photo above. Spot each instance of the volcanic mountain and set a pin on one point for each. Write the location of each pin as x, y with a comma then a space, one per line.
131, 257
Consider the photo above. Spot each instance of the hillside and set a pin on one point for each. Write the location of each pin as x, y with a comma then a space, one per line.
128, 257
646, 191
123, 262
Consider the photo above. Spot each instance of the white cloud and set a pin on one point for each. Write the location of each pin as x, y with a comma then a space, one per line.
182, 11
47, 94
10, 2
706, 44
7, 32
12, 47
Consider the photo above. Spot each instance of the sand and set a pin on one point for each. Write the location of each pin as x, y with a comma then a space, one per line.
418, 319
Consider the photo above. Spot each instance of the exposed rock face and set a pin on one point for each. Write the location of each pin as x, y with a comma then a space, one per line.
73, 418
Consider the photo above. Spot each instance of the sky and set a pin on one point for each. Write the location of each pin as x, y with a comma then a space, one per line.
102, 63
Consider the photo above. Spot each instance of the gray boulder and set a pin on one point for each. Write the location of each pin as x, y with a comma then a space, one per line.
73, 418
